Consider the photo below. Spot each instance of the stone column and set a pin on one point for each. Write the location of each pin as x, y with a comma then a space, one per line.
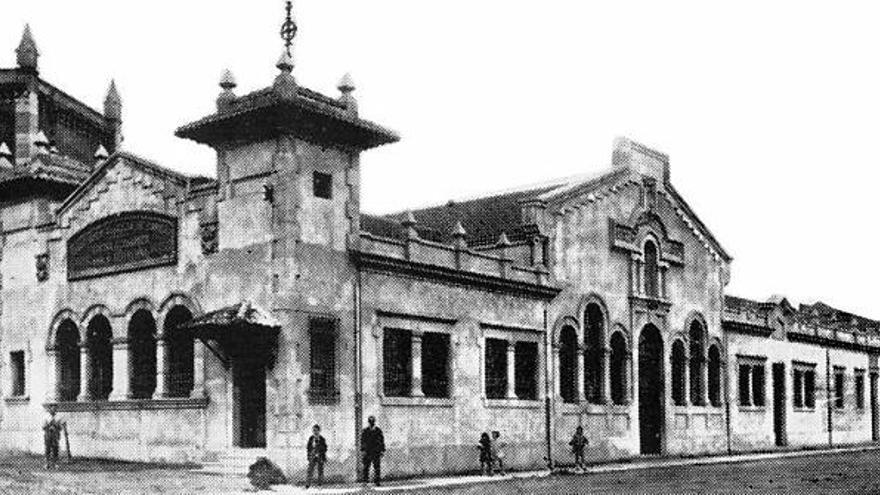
416, 384
161, 389
511, 369
686, 382
557, 371
198, 390
661, 281
581, 380
605, 386
641, 270
52, 375
705, 374
121, 370
85, 374
634, 274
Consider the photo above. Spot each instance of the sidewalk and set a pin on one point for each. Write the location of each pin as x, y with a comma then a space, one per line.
637, 464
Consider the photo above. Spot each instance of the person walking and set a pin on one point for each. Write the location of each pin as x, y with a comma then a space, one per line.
372, 448
485, 446
316, 450
578, 443
52, 427
498, 451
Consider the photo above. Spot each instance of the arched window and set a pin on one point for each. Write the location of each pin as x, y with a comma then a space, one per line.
618, 369
594, 329
68, 359
651, 271
180, 353
697, 338
714, 376
142, 355
679, 368
100, 352
568, 368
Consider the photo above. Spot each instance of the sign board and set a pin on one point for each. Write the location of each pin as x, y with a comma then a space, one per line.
123, 242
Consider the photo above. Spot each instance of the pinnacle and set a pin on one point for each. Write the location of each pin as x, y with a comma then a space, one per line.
27, 52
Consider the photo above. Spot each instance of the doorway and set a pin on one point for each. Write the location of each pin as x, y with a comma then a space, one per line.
651, 391
779, 430
875, 421
249, 408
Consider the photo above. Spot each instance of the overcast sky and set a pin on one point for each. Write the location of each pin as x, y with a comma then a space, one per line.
769, 110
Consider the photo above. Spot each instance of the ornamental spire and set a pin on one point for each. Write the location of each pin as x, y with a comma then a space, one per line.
285, 84
27, 53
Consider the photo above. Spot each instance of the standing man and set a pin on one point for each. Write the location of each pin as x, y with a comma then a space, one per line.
51, 437
372, 448
316, 449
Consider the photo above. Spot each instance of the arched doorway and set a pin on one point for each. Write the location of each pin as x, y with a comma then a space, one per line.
651, 394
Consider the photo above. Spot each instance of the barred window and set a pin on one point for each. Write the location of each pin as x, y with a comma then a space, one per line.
526, 370
594, 327
322, 358
397, 362
496, 368
810, 389
696, 335
804, 386
435, 365
751, 382
798, 388
16, 364
618, 365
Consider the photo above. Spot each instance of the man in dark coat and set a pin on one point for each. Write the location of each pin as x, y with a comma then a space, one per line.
316, 450
52, 428
372, 448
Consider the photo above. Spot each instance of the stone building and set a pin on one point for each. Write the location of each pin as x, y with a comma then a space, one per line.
212, 320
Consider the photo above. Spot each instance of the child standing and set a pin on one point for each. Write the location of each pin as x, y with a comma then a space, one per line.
578, 444
498, 451
485, 447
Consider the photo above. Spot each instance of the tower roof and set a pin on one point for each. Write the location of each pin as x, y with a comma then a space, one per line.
27, 53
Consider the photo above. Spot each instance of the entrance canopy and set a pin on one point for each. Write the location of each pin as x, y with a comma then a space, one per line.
241, 332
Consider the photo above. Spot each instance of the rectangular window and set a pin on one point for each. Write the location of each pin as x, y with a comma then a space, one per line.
839, 388
322, 185
810, 388
496, 368
526, 370
798, 388
758, 384
322, 358
16, 362
397, 362
435, 365
804, 389
745, 389
860, 389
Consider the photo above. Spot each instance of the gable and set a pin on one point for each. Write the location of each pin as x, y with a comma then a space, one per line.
123, 183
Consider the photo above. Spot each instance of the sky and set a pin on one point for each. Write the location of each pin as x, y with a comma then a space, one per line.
767, 109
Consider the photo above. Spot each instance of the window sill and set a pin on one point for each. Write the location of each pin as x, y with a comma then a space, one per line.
754, 409
417, 401
514, 403
324, 398
17, 399
130, 405
804, 409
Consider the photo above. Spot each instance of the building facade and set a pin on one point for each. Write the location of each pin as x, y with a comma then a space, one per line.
193, 319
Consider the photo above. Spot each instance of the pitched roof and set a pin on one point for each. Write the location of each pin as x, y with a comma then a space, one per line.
143, 164
307, 113
818, 314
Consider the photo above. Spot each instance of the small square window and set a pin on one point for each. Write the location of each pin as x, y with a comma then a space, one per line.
322, 185
16, 361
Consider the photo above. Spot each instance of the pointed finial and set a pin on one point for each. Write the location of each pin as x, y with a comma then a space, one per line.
346, 87
113, 103
503, 241
227, 96
285, 84
27, 52
101, 153
459, 235
42, 142
409, 223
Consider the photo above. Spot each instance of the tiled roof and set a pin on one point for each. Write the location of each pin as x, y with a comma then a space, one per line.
821, 314
258, 106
